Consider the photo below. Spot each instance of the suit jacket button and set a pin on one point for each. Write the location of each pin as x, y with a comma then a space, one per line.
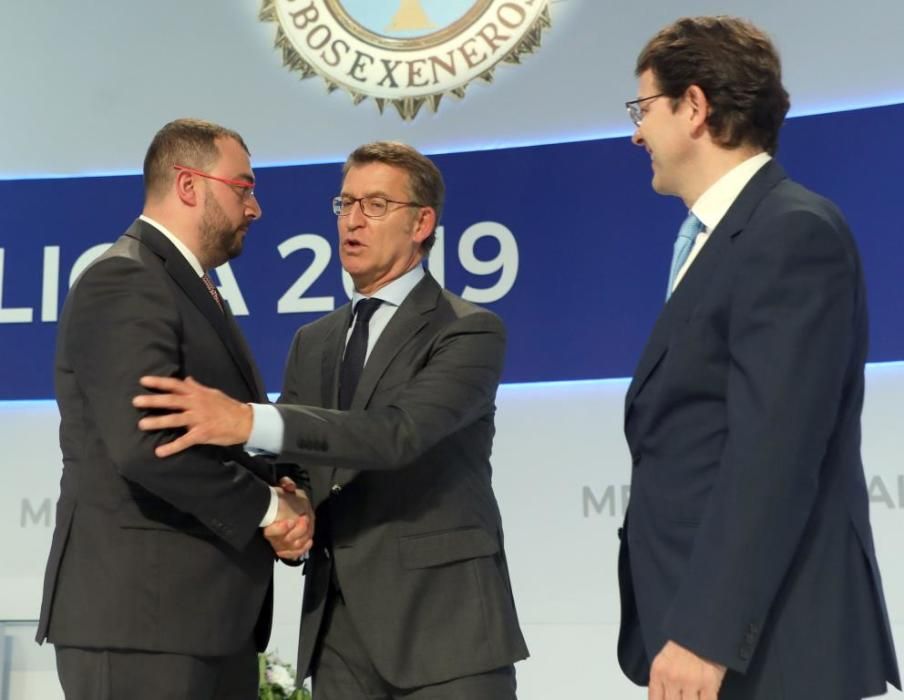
336, 488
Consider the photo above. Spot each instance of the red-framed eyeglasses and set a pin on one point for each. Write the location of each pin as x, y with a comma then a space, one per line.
248, 187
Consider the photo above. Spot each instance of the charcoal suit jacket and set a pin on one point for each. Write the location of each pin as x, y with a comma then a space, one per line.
152, 554
406, 516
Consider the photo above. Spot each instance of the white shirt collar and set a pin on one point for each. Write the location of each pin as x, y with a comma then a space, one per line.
180, 246
397, 291
717, 200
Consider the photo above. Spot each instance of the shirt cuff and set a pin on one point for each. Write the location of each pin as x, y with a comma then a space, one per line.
270, 515
267, 429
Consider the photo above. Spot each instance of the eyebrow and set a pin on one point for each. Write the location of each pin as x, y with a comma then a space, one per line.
375, 193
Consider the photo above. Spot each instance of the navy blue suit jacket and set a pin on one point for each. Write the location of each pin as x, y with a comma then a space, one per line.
747, 538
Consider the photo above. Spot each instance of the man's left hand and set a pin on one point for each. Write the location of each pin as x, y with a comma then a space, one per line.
209, 416
679, 674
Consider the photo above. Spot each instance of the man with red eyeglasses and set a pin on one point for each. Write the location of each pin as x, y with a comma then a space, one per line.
159, 580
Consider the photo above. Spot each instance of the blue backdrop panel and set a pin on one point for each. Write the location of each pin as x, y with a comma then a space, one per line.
593, 247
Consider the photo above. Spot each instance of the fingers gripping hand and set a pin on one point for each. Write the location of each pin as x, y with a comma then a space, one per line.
292, 534
208, 416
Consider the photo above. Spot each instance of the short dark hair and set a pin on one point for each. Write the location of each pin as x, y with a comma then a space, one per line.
736, 66
189, 142
425, 182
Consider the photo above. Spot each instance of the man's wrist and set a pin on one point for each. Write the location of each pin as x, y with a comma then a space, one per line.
266, 432
246, 423
270, 516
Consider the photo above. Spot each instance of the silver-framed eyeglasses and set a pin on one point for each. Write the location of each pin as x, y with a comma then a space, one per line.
636, 110
373, 207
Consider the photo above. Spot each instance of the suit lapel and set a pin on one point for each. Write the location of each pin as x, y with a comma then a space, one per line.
676, 312
682, 303
410, 317
333, 350
185, 276
244, 352
408, 320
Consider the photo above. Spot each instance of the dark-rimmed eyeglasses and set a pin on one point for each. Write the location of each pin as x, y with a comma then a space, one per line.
246, 188
636, 110
372, 207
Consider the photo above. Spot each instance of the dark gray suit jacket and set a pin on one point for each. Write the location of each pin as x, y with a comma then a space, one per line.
747, 537
150, 554
402, 481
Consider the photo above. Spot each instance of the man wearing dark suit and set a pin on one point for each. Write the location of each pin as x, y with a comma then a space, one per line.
158, 583
747, 567
407, 591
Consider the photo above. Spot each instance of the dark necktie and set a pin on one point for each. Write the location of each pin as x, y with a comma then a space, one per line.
205, 278
355, 351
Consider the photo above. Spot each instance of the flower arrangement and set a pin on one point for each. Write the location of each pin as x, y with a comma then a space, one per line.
277, 680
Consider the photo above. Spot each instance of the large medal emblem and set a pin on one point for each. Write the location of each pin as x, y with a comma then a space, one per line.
406, 53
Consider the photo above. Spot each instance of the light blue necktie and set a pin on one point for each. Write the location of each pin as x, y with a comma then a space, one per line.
683, 244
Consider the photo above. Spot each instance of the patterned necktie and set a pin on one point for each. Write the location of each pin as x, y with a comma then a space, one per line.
355, 351
205, 278
683, 244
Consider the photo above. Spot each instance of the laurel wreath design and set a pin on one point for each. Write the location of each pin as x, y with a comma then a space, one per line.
407, 107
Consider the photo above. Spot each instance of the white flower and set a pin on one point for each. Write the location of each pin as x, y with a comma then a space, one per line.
279, 674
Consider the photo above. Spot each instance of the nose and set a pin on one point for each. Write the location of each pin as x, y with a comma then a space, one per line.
636, 138
355, 218
253, 208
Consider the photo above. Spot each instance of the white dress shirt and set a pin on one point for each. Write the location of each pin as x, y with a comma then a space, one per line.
180, 246
713, 204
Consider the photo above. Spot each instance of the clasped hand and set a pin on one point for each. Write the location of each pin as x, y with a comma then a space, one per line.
292, 533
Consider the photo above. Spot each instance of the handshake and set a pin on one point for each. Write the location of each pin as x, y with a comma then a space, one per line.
210, 417
292, 533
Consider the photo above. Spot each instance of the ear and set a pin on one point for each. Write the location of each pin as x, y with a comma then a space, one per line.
185, 188
424, 224
699, 107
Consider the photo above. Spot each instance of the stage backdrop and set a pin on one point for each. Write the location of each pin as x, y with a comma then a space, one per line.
569, 246
566, 241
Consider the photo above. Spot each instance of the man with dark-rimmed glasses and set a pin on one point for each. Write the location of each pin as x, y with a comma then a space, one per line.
747, 567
